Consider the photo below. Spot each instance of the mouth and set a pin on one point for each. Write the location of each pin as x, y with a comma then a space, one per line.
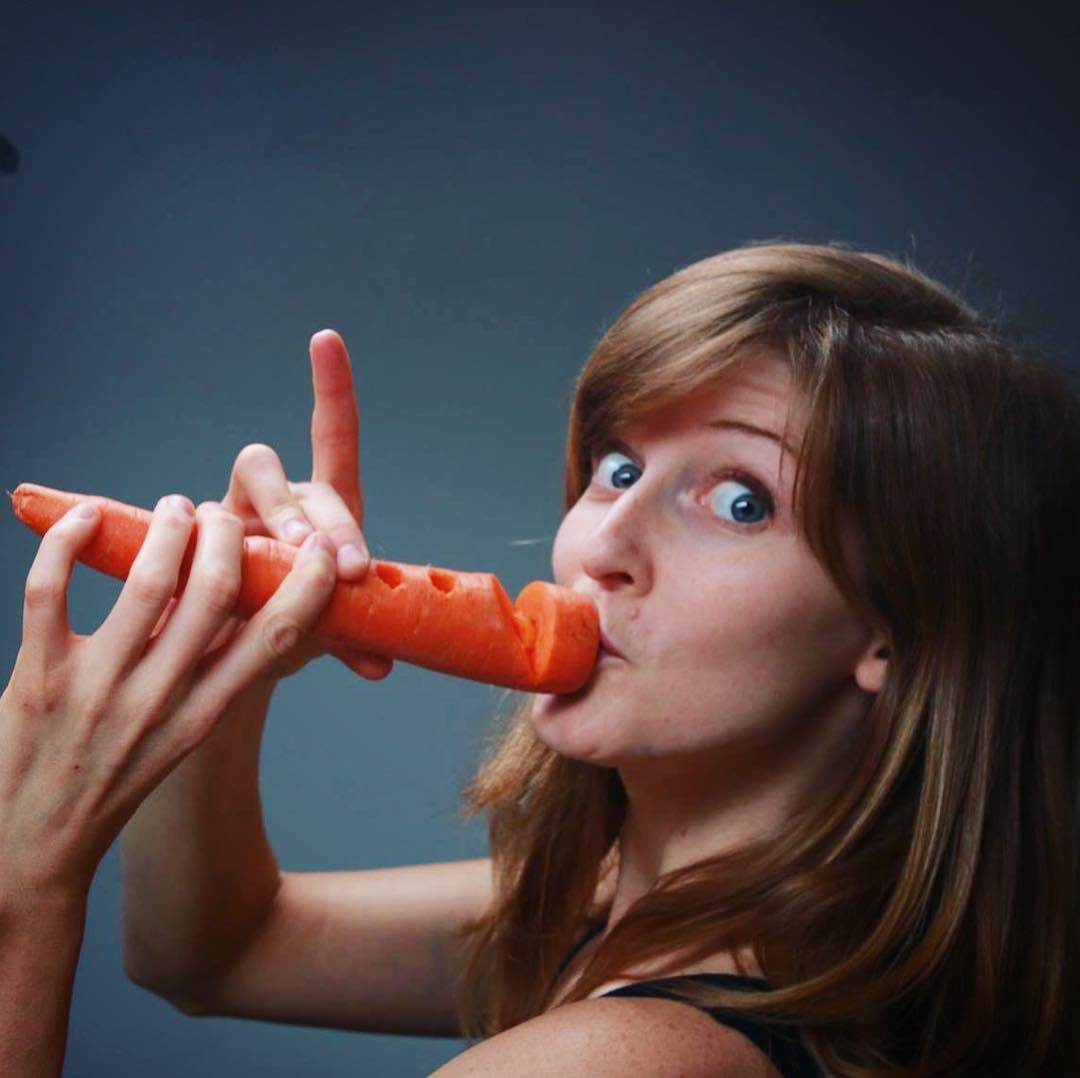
608, 648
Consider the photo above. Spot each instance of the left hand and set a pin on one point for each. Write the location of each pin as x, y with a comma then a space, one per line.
331, 502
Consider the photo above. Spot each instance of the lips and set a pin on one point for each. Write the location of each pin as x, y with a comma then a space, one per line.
607, 646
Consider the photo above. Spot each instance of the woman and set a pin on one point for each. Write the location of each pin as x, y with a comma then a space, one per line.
884, 825
817, 813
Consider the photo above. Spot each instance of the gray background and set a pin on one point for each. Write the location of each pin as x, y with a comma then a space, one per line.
469, 193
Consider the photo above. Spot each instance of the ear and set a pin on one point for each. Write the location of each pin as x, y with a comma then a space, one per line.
874, 664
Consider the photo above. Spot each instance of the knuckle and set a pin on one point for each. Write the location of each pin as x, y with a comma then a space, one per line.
42, 591
89, 690
344, 531
151, 586
146, 702
338, 438
290, 510
215, 514
227, 518
31, 701
196, 726
318, 571
220, 588
95, 702
126, 746
53, 692
280, 634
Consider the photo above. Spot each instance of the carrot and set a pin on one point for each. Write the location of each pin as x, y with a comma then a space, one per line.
454, 622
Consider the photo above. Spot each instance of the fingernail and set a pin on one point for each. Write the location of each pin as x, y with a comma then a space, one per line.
84, 511
181, 503
350, 559
296, 530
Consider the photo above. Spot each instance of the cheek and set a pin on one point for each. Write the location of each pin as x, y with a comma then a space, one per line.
800, 645
769, 620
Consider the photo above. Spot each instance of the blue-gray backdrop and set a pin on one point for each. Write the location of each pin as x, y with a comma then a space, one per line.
469, 192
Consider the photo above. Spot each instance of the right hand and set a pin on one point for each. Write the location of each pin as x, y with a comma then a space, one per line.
89, 725
332, 502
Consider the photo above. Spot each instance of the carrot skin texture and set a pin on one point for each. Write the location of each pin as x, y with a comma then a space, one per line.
457, 623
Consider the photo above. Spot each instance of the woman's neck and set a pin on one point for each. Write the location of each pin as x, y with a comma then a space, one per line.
706, 804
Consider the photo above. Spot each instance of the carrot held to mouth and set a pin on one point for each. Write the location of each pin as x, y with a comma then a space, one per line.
454, 622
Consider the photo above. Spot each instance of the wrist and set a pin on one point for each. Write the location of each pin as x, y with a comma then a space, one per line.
41, 936
23, 904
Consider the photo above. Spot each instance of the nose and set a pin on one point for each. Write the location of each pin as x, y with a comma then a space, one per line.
617, 552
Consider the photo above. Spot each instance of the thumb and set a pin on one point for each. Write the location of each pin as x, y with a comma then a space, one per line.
364, 663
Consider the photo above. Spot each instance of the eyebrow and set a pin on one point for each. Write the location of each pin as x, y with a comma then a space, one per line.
749, 428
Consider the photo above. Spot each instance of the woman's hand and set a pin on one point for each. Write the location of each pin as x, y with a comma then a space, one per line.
89, 725
332, 502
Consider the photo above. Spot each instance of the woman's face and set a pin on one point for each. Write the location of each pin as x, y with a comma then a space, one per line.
732, 634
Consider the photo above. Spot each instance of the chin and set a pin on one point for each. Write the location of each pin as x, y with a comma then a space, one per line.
571, 731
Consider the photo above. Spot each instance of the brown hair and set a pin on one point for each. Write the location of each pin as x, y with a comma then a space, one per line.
922, 917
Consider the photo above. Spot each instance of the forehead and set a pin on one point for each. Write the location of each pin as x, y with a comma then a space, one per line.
758, 391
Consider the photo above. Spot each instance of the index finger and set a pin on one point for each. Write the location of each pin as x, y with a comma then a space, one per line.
335, 422
45, 612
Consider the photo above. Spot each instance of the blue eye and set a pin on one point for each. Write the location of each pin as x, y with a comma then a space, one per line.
742, 506
619, 474
747, 508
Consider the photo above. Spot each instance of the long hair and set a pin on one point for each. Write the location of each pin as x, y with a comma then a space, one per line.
921, 917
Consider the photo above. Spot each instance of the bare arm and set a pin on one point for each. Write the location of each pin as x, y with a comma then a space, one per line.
374, 950
212, 925
39, 950
197, 870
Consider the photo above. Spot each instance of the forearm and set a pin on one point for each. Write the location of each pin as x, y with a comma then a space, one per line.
198, 872
39, 951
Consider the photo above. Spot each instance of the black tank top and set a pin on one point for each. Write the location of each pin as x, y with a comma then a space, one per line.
779, 1042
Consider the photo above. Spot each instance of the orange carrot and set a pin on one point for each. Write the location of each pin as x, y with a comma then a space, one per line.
454, 622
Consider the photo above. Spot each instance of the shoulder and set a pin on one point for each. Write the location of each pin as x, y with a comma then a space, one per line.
608, 1037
